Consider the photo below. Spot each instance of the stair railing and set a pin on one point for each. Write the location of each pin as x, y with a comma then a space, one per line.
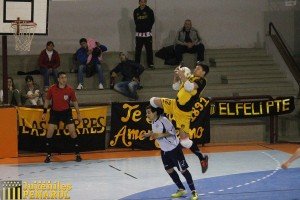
285, 53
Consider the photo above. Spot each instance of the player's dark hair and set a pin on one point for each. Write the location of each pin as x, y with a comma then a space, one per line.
159, 111
28, 78
61, 73
204, 67
49, 43
12, 81
82, 40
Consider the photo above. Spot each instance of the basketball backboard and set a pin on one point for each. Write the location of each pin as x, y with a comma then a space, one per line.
34, 10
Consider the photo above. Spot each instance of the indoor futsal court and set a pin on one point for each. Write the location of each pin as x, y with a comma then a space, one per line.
226, 73
235, 172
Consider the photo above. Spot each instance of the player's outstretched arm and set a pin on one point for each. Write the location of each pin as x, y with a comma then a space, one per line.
295, 156
160, 135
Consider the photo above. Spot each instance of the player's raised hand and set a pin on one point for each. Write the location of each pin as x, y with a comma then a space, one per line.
178, 67
180, 73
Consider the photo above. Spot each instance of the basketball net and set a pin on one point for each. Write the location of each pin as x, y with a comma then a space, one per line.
23, 32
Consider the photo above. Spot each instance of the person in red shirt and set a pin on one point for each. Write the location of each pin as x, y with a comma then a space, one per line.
49, 61
61, 95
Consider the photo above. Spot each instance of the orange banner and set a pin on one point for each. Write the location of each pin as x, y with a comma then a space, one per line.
8, 133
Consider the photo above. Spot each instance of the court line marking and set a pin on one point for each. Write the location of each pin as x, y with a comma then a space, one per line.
124, 172
130, 175
49, 168
114, 168
250, 182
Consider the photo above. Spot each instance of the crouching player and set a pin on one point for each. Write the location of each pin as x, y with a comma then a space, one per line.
171, 153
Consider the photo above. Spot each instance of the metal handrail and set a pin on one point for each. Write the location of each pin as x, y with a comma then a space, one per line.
290, 58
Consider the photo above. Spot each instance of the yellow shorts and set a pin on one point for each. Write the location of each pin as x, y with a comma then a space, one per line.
181, 118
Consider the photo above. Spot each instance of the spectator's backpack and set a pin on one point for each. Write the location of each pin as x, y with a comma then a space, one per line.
168, 54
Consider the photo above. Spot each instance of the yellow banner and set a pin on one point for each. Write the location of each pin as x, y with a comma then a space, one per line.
93, 121
252, 108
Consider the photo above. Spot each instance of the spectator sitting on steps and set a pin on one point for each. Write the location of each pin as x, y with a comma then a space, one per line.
188, 41
89, 59
14, 97
49, 61
31, 92
131, 72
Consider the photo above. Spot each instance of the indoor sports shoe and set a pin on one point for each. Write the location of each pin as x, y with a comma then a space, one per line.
204, 164
78, 158
79, 87
194, 195
179, 193
100, 86
48, 158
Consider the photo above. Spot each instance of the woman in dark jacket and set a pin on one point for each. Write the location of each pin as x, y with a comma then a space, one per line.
14, 97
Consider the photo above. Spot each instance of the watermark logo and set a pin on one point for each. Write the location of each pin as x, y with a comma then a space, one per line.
18, 190
11, 190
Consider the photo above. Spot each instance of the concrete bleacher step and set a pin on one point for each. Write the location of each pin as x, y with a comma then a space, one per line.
252, 72
267, 90
247, 85
230, 93
162, 77
104, 96
110, 59
245, 63
243, 68
30, 62
256, 76
246, 71
235, 51
271, 93
235, 55
252, 80
155, 78
190, 59
243, 59
240, 77
219, 55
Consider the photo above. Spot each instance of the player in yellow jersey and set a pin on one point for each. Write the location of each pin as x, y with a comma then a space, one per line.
189, 90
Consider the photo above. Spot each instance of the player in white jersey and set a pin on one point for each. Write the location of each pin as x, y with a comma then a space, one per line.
171, 153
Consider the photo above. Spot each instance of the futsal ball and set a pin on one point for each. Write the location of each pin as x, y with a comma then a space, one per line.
187, 71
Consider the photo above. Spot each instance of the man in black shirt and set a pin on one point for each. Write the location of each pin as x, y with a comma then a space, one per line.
131, 72
144, 20
188, 41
